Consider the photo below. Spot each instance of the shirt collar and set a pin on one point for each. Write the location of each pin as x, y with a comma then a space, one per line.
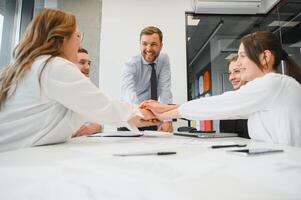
146, 63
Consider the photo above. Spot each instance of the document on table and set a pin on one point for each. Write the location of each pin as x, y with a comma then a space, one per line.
134, 132
117, 134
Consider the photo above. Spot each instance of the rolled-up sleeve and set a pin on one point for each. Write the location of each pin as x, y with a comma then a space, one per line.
164, 82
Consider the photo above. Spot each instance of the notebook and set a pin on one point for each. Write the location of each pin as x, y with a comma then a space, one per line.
206, 135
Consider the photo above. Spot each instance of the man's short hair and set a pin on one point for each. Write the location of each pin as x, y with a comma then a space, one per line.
151, 30
233, 59
82, 50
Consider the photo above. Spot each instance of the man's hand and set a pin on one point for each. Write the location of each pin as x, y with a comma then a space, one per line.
148, 115
148, 119
88, 129
140, 122
156, 107
166, 127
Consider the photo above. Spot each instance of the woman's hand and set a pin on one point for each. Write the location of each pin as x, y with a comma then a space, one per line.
88, 129
156, 107
148, 119
139, 122
148, 115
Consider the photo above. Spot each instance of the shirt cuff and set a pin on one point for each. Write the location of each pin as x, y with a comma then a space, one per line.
138, 112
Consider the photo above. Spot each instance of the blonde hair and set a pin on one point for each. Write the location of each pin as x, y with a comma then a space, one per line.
233, 59
44, 36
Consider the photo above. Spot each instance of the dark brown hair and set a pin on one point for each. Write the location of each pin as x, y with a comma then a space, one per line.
256, 43
82, 50
151, 30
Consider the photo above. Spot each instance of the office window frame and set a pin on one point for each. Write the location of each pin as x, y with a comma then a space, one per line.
18, 15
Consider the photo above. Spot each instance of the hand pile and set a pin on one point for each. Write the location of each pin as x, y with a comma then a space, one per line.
154, 113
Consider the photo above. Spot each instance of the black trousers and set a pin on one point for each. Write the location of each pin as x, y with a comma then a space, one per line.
146, 128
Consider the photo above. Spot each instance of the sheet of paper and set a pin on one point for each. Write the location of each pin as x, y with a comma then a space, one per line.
134, 128
156, 134
118, 134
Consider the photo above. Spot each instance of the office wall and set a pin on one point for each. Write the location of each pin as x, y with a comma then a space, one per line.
88, 15
121, 24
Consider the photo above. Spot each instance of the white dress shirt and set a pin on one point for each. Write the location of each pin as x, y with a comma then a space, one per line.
135, 80
34, 115
271, 103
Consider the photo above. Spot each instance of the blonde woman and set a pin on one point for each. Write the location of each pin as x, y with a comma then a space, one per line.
44, 97
270, 101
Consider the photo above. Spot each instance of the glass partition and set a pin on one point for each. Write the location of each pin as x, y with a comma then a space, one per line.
15, 15
214, 38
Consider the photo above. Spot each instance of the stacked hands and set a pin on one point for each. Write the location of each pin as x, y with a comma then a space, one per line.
153, 114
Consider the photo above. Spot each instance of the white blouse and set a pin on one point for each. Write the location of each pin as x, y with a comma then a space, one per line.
47, 113
271, 103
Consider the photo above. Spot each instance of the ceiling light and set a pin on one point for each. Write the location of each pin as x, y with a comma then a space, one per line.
297, 44
230, 56
284, 23
233, 6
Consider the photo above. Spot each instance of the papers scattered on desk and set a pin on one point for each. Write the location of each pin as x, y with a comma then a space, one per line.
117, 134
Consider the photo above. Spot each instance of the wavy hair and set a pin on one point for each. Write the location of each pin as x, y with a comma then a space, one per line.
44, 36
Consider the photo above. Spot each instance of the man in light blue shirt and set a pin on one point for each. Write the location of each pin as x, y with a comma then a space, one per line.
147, 76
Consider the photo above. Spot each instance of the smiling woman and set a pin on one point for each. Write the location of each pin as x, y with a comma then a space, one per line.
270, 101
44, 97
235, 73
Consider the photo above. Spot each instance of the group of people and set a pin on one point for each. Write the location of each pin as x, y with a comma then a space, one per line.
46, 97
269, 100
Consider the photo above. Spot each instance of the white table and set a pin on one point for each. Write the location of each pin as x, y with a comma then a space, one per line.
85, 168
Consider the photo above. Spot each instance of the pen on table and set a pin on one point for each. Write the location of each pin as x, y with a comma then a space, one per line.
160, 153
229, 145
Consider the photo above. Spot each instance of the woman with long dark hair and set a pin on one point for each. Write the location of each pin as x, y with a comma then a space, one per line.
270, 101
